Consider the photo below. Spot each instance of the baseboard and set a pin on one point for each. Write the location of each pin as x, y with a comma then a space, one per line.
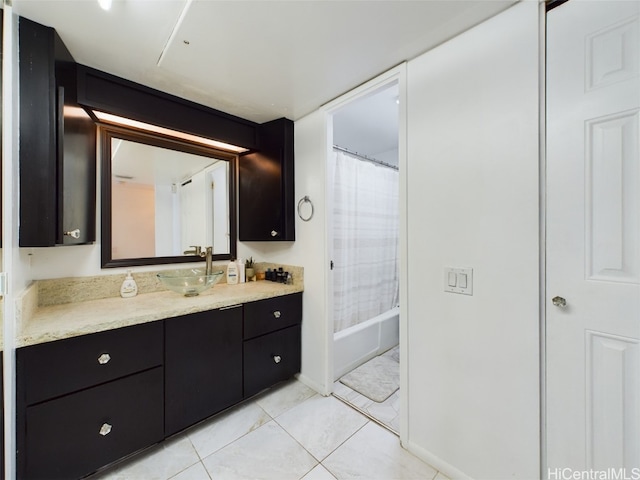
313, 385
445, 468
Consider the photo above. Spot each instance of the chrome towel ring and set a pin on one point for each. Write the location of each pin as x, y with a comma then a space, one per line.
301, 203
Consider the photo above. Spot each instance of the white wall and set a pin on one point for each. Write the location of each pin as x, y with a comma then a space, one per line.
11, 261
472, 187
309, 249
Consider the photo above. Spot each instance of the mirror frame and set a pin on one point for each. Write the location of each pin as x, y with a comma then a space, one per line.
107, 133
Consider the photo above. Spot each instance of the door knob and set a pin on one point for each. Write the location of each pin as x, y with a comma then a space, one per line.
559, 302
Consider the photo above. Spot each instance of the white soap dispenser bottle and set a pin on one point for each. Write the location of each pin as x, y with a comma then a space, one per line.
232, 273
129, 287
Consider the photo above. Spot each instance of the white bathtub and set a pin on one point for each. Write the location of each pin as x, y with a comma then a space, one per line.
355, 345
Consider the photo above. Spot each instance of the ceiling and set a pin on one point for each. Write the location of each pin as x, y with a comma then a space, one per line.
369, 125
258, 59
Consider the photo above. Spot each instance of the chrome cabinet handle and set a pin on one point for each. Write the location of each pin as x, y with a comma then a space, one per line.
277, 314
274, 233
105, 429
104, 359
73, 233
559, 302
277, 358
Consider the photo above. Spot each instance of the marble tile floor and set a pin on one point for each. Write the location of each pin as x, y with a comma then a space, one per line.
287, 433
387, 412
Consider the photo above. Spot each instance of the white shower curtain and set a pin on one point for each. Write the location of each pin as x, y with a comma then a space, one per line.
365, 240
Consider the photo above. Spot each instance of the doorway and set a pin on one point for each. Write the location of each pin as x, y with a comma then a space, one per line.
593, 238
364, 230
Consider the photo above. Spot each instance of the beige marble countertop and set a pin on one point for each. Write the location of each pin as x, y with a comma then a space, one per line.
39, 324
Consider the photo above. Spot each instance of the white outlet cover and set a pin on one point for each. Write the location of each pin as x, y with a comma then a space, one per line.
459, 272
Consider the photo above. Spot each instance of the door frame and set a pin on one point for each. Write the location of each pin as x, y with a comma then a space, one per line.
542, 208
397, 75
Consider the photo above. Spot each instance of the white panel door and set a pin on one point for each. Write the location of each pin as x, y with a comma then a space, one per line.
593, 236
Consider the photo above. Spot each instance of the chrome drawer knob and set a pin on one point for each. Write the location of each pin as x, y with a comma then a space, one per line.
277, 314
105, 429
559, 302
274, 233
277, 358
104, 358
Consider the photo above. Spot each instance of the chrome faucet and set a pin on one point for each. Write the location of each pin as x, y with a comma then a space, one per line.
197, 251
207, 255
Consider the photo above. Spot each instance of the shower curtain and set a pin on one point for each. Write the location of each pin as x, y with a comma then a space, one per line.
365, 240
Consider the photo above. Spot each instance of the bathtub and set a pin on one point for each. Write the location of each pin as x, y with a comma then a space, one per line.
355, 345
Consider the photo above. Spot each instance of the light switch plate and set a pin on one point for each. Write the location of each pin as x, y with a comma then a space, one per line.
463, 275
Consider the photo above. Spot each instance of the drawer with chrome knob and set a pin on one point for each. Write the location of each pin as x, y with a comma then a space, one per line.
74, 435
272, 314
271, 358
57, 368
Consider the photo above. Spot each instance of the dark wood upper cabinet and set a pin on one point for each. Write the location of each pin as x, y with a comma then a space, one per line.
57, 145
107, 93
266, 186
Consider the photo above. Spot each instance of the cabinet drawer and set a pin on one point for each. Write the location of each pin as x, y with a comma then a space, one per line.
272, 314
270, 359
53, 369
69, 437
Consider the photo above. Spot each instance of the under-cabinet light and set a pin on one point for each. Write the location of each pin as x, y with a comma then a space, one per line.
75, 112
127, 122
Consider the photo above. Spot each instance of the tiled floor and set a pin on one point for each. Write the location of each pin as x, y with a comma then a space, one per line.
387, 412
288, 433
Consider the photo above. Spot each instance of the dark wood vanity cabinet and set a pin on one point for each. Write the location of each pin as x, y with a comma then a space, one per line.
266, 185
203, 366
87, 401
57, 145
271, 341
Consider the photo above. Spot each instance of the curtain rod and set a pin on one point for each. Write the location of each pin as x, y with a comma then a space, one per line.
365, 157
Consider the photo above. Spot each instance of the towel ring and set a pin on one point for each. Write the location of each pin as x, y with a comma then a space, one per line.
302, 201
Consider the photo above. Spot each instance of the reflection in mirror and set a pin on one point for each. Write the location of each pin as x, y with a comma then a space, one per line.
163, 197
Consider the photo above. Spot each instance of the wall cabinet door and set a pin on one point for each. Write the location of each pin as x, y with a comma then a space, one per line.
203, 366
266, 186
57, 145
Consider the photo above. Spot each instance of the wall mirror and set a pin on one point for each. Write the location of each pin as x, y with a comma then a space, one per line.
161, 196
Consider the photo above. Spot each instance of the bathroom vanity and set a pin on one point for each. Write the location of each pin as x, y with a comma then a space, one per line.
88, 400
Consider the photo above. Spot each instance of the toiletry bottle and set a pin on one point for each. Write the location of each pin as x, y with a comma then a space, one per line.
129, 287
232, 273
241, 271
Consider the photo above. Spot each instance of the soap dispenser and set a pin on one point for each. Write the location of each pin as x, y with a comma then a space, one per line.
232, 273
129, 287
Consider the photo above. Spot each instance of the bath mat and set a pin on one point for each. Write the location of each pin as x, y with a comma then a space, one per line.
377, 379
